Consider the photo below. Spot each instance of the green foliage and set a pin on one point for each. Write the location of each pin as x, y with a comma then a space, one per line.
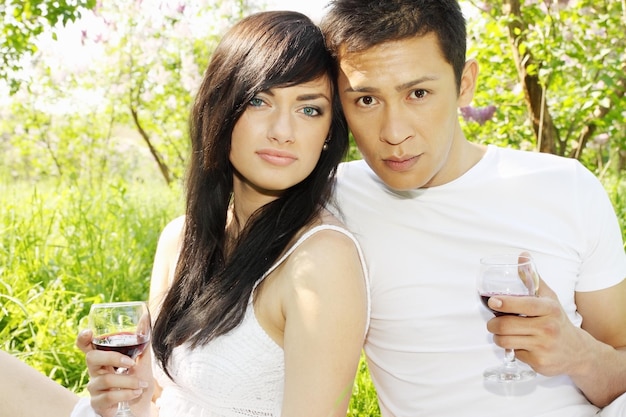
22, 21
616, 187
78, 144
353, 152
136, 91
579, 54
497, 85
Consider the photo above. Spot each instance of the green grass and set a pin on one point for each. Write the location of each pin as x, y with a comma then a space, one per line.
363, 402
63, 248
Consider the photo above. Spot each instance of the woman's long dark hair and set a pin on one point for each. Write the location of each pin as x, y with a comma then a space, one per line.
210, 291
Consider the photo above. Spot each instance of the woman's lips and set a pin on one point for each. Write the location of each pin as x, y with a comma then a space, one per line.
277, 157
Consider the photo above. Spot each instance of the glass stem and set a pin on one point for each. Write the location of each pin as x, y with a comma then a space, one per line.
509, 358
123, 408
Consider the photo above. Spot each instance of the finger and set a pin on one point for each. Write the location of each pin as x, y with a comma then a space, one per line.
512, 326
99, 362
521, 306
518, 343
83, 340
527, 272
108, 399
109, 382
545, 290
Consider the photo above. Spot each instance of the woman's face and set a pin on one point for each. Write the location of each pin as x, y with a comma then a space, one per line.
277, 141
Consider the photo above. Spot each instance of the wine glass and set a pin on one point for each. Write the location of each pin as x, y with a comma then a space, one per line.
123, 327
507, 274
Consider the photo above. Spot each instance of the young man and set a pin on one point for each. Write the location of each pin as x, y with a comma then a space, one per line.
427, 204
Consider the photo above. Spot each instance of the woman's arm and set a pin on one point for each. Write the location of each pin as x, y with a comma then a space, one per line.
325, 309
24, 391
163, 269
164, 265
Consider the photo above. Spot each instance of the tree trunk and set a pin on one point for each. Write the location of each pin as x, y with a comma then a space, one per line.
534, 93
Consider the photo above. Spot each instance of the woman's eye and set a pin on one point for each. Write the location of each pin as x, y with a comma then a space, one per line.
310, 111
256, 102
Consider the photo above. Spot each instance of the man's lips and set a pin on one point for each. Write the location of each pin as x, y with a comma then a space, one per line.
277, 157
402, 163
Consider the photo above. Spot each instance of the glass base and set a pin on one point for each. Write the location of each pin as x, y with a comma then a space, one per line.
509, 373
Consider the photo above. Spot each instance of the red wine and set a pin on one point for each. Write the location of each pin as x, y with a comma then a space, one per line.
485, 297
130, 344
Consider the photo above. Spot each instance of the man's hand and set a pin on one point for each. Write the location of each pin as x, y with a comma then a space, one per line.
543, 337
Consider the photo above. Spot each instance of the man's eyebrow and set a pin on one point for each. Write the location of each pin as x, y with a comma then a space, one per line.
401, 87
416, 82
361, 90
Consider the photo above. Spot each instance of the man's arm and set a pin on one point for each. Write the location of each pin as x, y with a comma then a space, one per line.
604, 317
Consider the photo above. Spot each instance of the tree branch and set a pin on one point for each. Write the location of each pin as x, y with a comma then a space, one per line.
155, 153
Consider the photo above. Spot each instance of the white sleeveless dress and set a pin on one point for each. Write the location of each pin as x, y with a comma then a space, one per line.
240, 373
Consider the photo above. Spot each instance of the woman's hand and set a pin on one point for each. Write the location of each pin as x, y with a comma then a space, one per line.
108, 388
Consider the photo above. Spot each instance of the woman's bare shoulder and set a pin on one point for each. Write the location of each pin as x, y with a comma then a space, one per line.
170, 242
328, 250
165, 261
175, 226
172, 233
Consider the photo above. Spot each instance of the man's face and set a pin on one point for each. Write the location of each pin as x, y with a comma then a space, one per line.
401, 99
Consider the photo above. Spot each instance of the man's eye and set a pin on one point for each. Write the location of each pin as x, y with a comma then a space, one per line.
366, 101
420, 93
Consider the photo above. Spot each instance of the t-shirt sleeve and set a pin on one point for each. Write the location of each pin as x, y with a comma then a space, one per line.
604, 260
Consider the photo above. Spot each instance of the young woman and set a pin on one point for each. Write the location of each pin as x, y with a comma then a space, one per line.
259, 293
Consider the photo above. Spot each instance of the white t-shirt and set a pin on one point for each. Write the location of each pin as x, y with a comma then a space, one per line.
428, 343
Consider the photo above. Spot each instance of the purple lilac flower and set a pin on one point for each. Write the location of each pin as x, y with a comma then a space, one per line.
478, 114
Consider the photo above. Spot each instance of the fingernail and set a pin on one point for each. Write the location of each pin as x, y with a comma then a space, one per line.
137, 392
495, 302
127, 361
143, 384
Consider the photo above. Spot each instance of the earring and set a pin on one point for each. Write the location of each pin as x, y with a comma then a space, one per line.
325, 147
